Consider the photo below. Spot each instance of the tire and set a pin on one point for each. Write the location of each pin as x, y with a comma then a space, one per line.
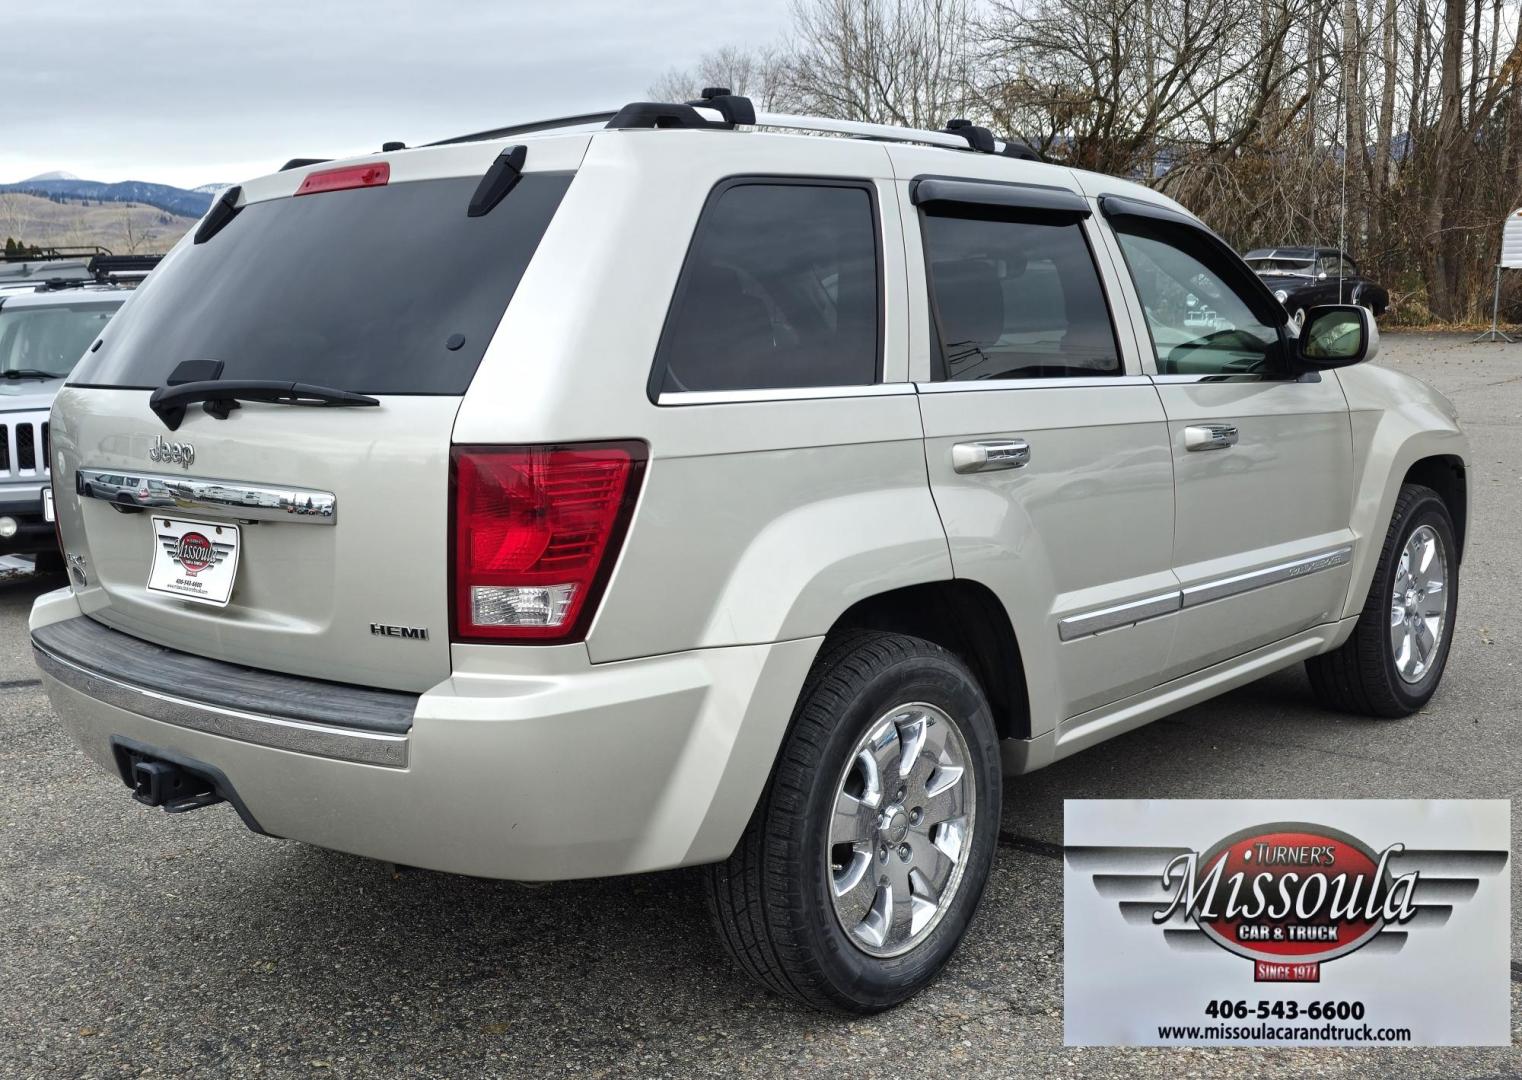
1364, 675
774, 900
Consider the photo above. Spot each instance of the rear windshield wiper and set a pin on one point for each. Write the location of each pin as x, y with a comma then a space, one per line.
222, 396
30, 373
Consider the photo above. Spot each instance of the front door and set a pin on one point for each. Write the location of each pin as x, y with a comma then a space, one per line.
1262, 461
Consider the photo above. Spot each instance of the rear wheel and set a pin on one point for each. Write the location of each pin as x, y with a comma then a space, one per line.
869, 850
1392, 664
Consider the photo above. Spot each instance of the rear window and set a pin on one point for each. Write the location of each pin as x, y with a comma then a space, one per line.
363, 290
49, 339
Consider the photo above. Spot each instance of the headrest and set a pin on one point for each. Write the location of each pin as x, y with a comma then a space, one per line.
971, 301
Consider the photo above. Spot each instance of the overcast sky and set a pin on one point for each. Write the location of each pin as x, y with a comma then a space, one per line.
191, 92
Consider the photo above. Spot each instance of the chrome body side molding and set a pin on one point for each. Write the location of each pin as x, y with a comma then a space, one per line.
1152, 607
1110, 618
1221, 588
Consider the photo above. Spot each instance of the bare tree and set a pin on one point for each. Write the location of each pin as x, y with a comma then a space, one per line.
1250, 112
756, 74
882, 61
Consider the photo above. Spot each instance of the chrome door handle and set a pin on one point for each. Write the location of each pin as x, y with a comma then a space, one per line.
1210, 437
971, 457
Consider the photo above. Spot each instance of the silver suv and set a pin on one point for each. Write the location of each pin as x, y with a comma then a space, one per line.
722, 494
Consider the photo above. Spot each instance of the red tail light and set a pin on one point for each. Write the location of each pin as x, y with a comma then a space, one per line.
536, 530
375, 174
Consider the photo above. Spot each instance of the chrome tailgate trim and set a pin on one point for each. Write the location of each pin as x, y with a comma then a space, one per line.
246, 502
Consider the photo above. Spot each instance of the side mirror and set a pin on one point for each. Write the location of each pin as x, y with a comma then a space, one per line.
1337, 335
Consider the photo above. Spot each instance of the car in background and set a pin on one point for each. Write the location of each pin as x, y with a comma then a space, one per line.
49, 316
1305, 277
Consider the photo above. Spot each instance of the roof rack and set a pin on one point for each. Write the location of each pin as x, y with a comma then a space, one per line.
118, 268
718, 108
53, 254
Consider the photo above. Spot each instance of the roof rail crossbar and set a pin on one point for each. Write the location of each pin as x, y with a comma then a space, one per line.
959, 134
718, 108
529, 128
659, 114
861, 130
978, 138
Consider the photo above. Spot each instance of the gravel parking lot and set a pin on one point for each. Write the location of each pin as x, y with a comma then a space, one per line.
140, 944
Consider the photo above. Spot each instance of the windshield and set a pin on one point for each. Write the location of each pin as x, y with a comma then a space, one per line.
49, 339
382, 290
1283, 267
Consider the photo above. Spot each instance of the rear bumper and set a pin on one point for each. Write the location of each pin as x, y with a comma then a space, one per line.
587, 771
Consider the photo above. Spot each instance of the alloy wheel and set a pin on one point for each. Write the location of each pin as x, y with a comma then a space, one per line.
900, 833
1419, 604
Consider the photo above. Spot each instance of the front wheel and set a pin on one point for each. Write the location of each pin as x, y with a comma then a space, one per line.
1392, 664
869, 850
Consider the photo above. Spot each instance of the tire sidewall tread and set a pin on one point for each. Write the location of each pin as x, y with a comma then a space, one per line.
771, 899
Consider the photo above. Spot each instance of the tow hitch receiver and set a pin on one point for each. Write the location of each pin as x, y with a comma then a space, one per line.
155, 782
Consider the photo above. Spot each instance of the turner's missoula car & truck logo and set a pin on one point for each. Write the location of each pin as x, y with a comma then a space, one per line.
1289, 896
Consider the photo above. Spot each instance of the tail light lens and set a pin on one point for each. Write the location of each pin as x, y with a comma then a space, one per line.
536, 530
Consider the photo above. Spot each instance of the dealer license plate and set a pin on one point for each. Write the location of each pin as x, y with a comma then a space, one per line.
194, 560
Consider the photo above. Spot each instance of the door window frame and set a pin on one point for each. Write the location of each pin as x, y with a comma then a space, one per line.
1217, 256
654, 385
1013, 197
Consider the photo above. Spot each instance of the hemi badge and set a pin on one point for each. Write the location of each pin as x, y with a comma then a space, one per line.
415, 633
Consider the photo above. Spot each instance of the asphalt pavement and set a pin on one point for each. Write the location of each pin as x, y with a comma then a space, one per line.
138, 944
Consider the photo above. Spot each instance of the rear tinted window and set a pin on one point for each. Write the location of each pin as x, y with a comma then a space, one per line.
1017, 299
358, 290
780, 290
50, 339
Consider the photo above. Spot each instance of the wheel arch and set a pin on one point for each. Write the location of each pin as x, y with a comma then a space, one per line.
965, 618
1403, 432
1446, 475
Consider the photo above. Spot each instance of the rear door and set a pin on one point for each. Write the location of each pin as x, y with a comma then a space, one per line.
341, 514
1262, 462
1047, 448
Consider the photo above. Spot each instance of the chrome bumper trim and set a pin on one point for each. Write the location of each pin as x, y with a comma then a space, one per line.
364, 747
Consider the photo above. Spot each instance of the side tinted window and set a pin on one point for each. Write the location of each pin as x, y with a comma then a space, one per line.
1016, 299
780, 290
1200, 323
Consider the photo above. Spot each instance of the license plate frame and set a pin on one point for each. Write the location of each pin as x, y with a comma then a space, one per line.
194, 560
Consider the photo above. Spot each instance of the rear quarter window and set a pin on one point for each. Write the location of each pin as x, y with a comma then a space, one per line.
781, 289
362, 290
